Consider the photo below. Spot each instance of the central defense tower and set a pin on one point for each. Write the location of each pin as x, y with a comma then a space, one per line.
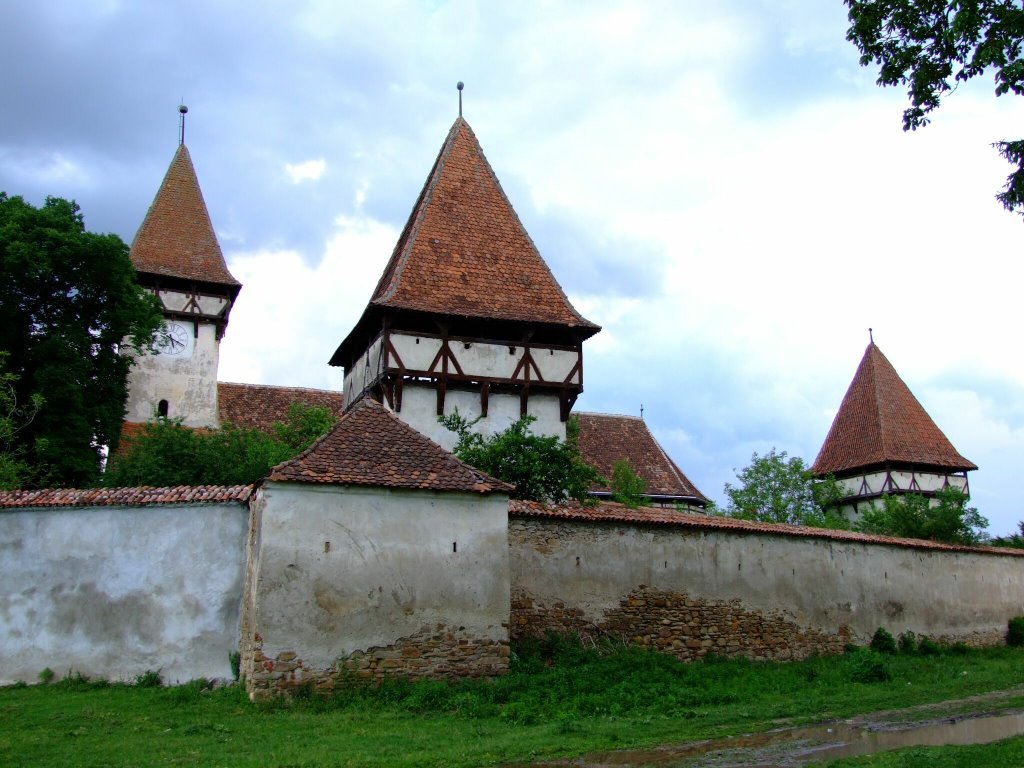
467, 314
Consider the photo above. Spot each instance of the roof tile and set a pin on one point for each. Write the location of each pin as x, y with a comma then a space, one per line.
465, 252
880, 421
371, 446
259, 406
609, 512
127, 497
176, 238
606, 438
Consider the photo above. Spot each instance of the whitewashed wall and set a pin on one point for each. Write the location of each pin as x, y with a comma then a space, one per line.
113, 592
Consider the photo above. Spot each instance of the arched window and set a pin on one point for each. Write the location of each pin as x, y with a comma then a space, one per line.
162, 408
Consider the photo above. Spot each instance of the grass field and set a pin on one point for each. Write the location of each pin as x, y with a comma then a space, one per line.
557, 700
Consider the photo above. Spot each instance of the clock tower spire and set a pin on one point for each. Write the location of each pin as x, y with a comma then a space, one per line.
177, 257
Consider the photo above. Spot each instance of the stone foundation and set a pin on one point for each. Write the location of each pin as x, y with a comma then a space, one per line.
684, 626
438, 654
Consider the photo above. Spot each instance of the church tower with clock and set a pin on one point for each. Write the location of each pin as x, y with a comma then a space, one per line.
177, 257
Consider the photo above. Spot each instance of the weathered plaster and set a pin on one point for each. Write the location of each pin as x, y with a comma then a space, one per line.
339, 570
817, 584
114, 591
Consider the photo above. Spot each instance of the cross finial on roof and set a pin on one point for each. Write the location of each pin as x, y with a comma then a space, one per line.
182, 110
641, 410
871, 335
460, 85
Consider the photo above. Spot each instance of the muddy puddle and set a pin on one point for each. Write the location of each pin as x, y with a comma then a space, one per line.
827, 741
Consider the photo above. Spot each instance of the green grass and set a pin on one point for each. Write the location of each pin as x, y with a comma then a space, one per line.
557, 700
1001, 754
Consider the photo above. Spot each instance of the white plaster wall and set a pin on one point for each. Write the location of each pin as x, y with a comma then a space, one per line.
338, 569
188, 384
366, 371
817, 583
419, 410
113, 591
926, 481
488, 360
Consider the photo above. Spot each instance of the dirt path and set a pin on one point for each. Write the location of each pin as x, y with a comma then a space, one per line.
973, 720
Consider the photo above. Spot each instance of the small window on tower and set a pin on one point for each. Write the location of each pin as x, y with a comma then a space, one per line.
162, 408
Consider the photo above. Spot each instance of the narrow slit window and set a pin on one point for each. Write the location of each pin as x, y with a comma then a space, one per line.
162, 408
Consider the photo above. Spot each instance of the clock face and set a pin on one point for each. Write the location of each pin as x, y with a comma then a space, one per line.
174, 340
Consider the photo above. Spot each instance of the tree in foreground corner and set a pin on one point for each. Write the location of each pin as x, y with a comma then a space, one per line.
778, 489
14, 417
69, 307
930, 47
165, 453
945, 518
541, 467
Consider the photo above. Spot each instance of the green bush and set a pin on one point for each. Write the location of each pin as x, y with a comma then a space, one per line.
1015, 631
908, 642
869, 667
882, 641
928, 647
149, 679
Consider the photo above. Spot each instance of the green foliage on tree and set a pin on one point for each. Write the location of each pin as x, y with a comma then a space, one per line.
69, 307
14, 417
627, 487
168, 454
542, 468
777, 489
913, 516
1016, 540
931, 47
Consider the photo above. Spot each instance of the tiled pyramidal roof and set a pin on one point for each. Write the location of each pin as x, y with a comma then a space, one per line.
126, 497
371, 446
465, 252
880, 421
259, 406
176, 238
605, 439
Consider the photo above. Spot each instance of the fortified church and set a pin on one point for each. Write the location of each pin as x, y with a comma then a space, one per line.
376, 553
467, 315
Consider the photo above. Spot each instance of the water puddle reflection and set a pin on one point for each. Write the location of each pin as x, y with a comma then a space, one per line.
800, 746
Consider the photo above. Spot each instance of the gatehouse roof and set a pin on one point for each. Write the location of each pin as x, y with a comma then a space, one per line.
176, 238
881, 422
369, 445
606, 438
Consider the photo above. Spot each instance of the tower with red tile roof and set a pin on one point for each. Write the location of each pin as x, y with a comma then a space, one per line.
467, 314
177, 257
883, 442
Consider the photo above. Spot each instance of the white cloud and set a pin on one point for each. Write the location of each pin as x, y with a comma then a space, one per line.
310, 170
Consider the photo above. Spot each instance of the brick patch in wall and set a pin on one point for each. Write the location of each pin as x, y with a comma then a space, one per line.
438, 653
687, 627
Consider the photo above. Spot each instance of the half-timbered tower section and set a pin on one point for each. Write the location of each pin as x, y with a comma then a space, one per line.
883, 442
178, 258
605, 439
467, 314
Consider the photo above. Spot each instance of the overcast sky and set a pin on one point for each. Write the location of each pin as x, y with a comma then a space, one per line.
719, 185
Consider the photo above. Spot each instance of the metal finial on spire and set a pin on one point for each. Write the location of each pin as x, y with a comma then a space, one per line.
460, 85
871, 335
182, 110
641, 410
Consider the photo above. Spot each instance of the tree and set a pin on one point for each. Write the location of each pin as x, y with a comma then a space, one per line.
541, 467
931, 47
913, 516
69, 309
627, 487
774, 489
14, 471
166, 453
1015, 540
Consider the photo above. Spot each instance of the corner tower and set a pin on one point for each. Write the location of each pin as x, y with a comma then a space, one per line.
177, 258
883, 442
467, 314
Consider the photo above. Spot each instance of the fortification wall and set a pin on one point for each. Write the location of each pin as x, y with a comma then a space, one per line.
114, 591
691, 592
373, 582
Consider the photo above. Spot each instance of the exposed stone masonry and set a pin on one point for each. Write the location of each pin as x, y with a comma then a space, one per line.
440, 653
688, 628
